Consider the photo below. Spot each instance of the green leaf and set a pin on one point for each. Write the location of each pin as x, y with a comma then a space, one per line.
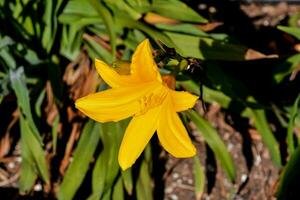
17, 79
118, 192
28, 170
5, 41
33, 152
143, 184
108, 21
215, 143
293, 114
50, 28
127, 180
294, 31
80, 8
125, 22
106, 167
209, 95
83, 155
71, 41
38, 103
29, 133
54, 132
176, 10
199, 178
27, 175
284, 69
261, 124
97, 51
206, 48
8, 58
183, 28
120, 5
290, 175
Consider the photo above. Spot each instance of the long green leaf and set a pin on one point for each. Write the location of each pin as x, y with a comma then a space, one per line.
176, 10
215, 143
289, 175
206, 48
29, 133
261, 123
143, 184
209, 95
18, 83
118, 192
107, 168
83, 155
294, 31
199, 178
293, 115
108, 21
28, 170
127, 180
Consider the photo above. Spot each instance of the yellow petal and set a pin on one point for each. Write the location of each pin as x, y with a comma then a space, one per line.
112, 78
172, 133
183, 100
137, 135
143, 64
114, 104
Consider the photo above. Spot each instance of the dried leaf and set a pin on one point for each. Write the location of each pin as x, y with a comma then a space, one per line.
153, 18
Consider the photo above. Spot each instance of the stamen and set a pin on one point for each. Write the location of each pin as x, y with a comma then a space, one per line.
150, 101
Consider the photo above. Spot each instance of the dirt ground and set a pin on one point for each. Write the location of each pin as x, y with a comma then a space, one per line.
256, 174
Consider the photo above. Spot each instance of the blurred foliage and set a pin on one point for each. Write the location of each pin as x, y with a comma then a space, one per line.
46, 51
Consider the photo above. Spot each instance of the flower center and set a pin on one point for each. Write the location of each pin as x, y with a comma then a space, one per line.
151, 100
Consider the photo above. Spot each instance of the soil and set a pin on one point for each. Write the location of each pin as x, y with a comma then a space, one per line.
256, 174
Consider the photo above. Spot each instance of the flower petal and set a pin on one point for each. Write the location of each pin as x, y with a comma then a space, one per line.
112, 78
114, 104
143, 64
183, 100
172, 133
137, 135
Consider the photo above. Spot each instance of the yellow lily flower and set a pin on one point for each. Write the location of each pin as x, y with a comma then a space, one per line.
144, 95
